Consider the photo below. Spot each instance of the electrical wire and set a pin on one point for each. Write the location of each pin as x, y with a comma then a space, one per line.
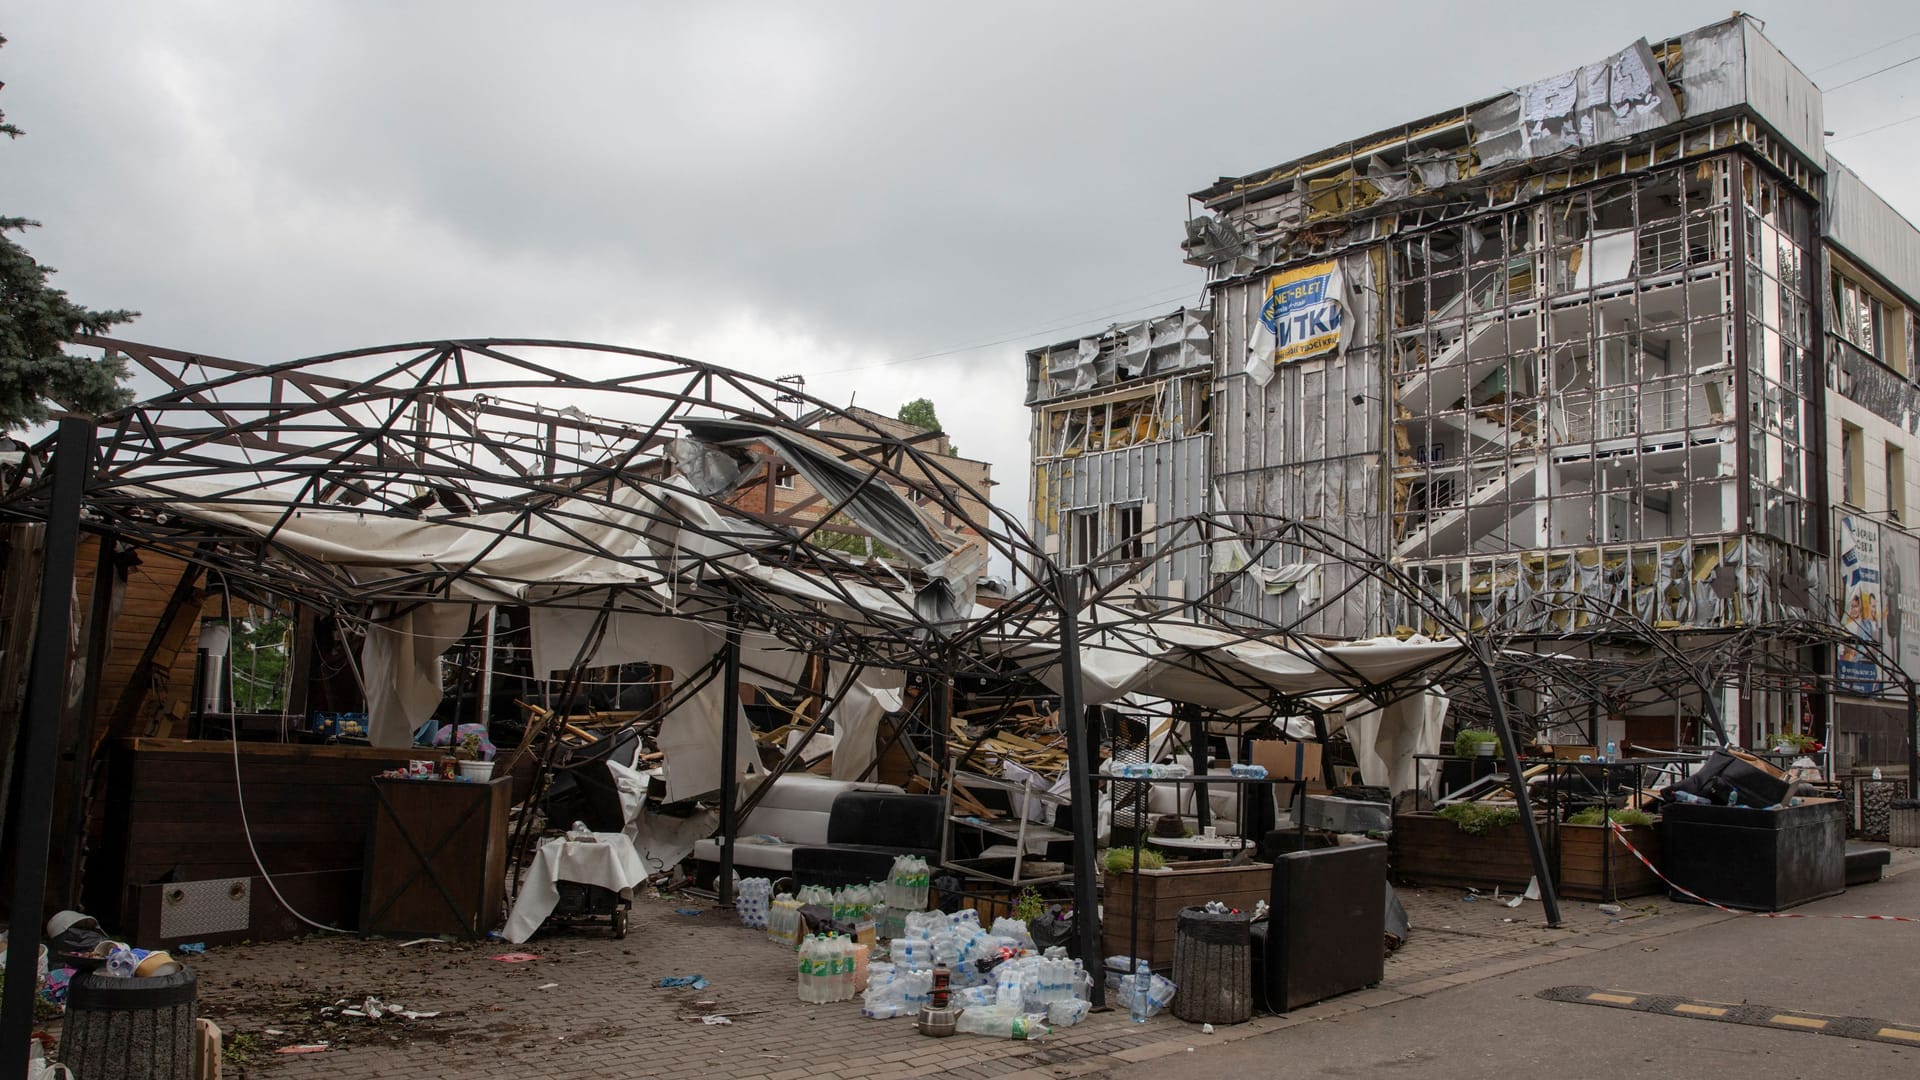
1869, 52
1022, 336
1871, 130
1870, 74
239, 792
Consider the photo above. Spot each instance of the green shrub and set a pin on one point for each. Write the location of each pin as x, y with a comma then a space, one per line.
1478, 818
1120, 860
1591, 816
1467, 741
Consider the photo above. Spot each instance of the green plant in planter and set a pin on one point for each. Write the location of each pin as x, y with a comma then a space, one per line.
1028, 906
1591, 816
468, 749
1467, 741
1803, 744
1478, 818
1120, 860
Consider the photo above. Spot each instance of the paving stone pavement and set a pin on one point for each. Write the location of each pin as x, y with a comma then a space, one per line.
591, 1006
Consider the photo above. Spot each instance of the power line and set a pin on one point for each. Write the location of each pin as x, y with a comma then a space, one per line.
1022, 336
1869, 52
1871, 130
1871, 74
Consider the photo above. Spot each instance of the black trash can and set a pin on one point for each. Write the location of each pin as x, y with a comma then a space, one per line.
130, 1029
1212, 967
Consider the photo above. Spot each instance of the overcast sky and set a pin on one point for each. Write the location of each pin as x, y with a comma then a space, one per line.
893, 199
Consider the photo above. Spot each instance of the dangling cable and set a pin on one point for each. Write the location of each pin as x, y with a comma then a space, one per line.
239, 792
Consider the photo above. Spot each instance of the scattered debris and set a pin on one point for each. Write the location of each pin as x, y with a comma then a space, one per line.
548, 986
514, 957
712, 1019
304, 1048
191, 949
698, 982
688, 911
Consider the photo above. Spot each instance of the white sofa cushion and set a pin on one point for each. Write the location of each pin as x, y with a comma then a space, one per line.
750, 851
796, 812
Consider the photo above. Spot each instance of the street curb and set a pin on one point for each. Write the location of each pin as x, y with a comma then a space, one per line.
1361, 1001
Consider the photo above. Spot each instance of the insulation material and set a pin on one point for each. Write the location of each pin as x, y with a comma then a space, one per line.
1625, 94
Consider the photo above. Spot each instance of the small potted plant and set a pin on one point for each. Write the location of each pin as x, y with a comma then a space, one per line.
470, 755
1789, 742
1475, 742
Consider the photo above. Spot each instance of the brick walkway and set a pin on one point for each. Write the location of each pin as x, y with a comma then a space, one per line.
592, 1006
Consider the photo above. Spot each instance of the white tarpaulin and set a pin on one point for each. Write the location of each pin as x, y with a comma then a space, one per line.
856, 719
1386, 740
690, 735
1122, 652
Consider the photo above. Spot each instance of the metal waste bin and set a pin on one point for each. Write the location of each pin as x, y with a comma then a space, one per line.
130, 1029
1212, 966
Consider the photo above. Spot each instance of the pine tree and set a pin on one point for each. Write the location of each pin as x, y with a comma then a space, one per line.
36, 322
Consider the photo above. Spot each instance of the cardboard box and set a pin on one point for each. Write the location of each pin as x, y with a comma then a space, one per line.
1291, 761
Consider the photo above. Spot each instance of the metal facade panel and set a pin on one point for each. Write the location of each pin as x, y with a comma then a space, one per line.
1872, 232
1783, 95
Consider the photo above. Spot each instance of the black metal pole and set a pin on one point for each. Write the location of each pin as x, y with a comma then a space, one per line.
76, 736
1549, 897
1913, 741
1202, 757
729, 756
39, 742
1086, 901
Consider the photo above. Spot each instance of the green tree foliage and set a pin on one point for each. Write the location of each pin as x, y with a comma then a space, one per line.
36, 321
919, 412
259, 657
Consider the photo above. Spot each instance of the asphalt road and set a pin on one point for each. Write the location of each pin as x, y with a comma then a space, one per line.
1498, 1027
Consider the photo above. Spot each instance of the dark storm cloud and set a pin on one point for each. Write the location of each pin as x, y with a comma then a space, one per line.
782, 187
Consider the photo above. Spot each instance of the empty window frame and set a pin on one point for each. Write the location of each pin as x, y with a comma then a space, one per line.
1129, 523
1853, 465
1083, 536
1896, 465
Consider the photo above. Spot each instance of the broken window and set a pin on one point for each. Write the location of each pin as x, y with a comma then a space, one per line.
1128, 530
1083, 536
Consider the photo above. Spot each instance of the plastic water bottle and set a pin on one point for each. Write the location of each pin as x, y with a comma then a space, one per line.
1137, 1003
806, 970
1613, 754
843, 960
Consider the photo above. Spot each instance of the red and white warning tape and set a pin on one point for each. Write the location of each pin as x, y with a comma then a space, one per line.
1621, 835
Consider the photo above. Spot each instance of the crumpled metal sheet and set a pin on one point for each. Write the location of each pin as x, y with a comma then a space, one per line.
1624, 94
875, 507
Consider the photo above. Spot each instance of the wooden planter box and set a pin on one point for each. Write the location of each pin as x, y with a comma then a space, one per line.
1584, 875
1429, 850
1164, 892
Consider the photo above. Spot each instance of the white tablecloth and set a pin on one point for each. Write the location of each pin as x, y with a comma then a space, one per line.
608, 860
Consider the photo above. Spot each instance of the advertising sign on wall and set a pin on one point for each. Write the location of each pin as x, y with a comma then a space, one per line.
1862, 604
1303, 312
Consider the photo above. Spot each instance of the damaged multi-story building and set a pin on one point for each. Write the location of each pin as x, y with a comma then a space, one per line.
1627, 335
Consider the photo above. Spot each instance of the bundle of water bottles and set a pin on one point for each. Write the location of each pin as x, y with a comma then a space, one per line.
830, 968
1137, 989
1003, 988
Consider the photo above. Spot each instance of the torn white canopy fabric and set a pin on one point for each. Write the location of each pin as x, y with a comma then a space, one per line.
1123, 652
400, 662
856, 719
690, 735
1386, 740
